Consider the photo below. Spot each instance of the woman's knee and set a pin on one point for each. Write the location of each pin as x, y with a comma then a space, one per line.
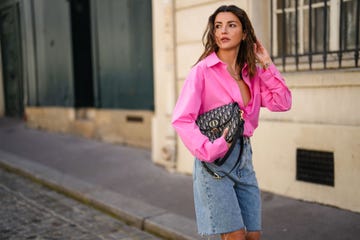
253, 235
236, 235
241, 235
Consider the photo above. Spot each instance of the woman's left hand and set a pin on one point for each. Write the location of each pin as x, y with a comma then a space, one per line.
226, 131
262, 55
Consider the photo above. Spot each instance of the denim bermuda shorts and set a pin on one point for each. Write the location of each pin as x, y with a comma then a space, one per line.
232, 202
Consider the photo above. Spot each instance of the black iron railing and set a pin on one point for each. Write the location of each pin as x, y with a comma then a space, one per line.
323, 58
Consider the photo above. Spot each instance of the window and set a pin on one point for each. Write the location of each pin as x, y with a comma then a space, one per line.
315, 34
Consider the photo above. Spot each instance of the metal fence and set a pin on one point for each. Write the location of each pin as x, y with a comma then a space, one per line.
287, 23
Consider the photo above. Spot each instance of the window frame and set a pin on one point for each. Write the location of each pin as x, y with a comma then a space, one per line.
332, 54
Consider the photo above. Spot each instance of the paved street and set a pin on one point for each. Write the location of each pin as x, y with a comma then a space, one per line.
124, 181
31, 211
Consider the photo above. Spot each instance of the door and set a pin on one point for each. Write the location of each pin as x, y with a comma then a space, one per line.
11, 61
124, 54
81, 49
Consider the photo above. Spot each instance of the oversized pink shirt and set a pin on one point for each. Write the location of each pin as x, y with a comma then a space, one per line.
209, 85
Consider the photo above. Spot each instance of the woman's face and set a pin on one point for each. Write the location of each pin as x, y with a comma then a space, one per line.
228, 31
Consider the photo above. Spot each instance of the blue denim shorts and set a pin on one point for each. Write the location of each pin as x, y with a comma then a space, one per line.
232, 202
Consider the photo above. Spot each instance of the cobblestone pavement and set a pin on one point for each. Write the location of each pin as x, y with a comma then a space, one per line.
31, 211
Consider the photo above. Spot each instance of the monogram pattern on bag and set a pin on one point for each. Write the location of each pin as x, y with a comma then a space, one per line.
213, 122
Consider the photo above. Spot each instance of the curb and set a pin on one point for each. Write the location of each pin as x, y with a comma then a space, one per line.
132, 211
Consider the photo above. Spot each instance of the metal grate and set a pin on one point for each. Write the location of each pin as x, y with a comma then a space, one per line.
318, 19
315, 166
138, 119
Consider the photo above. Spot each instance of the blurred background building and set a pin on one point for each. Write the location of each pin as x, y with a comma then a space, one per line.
112, 70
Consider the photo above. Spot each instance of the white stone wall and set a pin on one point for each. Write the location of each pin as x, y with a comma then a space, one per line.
323, 117
129, 127
163, 136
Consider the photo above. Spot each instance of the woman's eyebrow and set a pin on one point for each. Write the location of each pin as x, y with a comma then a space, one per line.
231, 21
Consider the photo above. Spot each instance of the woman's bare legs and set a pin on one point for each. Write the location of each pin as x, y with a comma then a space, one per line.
253, 235
241, 235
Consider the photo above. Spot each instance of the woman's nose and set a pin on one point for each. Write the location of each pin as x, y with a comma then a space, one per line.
223, 29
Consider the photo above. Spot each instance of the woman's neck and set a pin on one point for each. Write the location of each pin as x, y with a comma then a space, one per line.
228, 57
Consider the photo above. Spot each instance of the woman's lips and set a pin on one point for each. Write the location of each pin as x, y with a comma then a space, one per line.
225, 39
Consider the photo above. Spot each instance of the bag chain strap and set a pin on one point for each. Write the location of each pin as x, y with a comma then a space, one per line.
220, 161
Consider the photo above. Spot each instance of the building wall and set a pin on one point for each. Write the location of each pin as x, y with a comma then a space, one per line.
323, 116
163, 136
122, 64
129, 127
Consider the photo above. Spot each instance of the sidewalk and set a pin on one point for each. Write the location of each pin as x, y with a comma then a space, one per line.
124, 182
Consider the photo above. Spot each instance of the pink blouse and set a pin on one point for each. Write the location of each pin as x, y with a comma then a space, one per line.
209, 85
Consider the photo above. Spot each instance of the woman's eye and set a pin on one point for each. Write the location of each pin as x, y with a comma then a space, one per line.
232, 25
218, 26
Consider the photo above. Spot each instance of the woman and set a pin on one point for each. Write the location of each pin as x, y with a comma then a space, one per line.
234, 67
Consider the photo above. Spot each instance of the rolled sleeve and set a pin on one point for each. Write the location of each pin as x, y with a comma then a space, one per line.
276, 96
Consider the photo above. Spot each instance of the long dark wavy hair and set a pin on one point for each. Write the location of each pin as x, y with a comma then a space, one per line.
246, 52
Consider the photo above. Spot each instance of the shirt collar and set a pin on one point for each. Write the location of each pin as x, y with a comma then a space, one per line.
213, 59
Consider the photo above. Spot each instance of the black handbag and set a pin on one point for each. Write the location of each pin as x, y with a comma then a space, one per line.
213, 123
